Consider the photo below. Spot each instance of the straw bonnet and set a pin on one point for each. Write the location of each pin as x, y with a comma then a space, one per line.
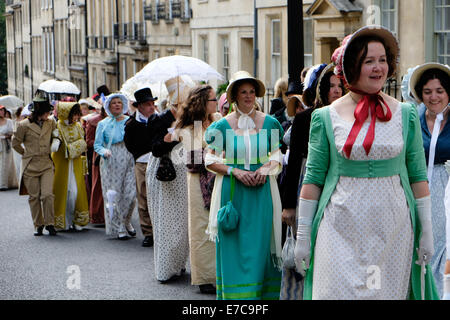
90, 102
178, 90
291, 108
116, 95
388, 37
418, 73
240, 76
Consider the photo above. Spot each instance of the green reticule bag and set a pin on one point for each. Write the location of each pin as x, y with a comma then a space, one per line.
228, 216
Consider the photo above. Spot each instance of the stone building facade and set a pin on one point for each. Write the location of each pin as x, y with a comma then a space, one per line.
95, 42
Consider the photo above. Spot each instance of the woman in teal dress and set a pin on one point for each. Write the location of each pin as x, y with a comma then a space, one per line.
245, 145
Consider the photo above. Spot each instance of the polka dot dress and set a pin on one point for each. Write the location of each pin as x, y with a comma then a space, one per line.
168, 208
365, 240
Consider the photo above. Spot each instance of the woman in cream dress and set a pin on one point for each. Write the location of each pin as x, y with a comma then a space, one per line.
197, 113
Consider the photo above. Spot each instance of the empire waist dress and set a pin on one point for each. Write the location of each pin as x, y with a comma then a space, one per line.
244, 265
366, 227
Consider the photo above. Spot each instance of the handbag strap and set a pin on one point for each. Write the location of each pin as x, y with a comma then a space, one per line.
232, 185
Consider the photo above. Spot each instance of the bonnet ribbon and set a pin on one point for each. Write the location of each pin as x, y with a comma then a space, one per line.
374, 103
434, 138
246, 123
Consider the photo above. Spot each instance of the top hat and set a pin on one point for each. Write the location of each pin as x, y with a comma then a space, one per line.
41, 103
294, 87
244, 75
103, 89
143, 95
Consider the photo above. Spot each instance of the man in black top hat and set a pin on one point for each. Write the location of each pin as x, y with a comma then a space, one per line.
138, 142
103, 89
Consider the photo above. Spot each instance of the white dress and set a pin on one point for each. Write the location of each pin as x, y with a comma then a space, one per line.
17, 156
168, 208
365, 240
8, 178
117, 173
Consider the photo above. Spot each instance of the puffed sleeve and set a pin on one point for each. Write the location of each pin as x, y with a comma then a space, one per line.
215, 137
415, 153
318, 151
276, 134
98, 143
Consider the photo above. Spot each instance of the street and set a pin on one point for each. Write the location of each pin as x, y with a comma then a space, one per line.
85, 265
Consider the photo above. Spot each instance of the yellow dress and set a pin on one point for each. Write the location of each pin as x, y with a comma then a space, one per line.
69, 188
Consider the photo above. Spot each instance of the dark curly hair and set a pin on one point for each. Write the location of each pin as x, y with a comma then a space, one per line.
194, 108
357, 52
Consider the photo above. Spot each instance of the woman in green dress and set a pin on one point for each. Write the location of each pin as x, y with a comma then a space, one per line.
245, 145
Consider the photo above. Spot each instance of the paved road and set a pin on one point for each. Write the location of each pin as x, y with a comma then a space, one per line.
47, 267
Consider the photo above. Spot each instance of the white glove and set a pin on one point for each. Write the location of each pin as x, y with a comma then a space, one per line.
107, 153
55, 145
55, 133
447, 166
446, 287
426, 246
306, 211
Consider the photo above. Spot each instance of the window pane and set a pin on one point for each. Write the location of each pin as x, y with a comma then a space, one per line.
308, 60
276, 69
438, 24
276, 39
392, 5
308, 40
385, 19
440, 45
447, 18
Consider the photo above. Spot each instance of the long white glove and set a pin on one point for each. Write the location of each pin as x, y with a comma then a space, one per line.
426, 246
306, 211
55, 133
55, 145
446, 287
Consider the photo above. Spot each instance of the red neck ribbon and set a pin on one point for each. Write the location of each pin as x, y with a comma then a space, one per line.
372, 102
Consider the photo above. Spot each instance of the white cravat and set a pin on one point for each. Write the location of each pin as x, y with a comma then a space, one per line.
246, 123
434, 138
